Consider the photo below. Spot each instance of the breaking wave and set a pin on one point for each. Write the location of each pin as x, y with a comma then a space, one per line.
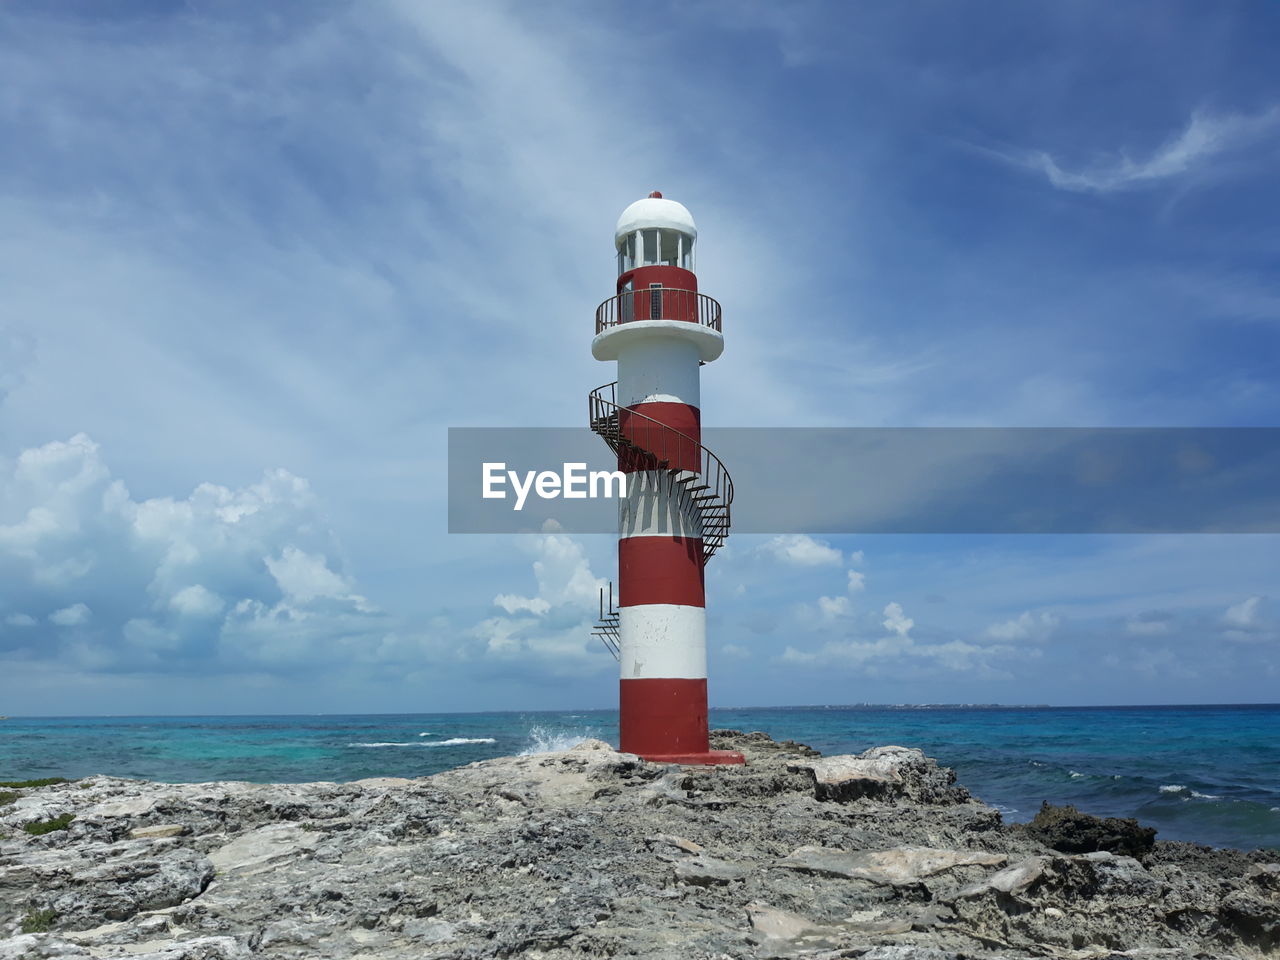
546, 740
452, 742
1179, 788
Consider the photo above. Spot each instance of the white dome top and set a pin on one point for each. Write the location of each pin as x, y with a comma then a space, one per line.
654, 212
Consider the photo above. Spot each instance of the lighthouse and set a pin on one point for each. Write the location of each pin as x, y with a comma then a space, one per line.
660, 331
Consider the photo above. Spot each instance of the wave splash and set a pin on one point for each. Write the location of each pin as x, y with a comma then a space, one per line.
548, 740
1179, 788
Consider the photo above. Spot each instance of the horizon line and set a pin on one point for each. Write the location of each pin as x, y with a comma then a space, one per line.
792, 706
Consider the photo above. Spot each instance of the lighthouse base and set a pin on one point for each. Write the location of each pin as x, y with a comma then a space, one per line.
709, 759
664, 720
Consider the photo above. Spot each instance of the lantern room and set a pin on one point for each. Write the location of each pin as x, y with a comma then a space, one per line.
657, 236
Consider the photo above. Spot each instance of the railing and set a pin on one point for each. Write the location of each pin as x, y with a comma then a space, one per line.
699, 481
609, 627
658, 303
695, 480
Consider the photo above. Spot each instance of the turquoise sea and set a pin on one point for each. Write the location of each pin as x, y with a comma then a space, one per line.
1209, 774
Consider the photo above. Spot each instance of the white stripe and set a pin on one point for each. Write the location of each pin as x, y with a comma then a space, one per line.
610, 343
663, 640
658, 370
654, 508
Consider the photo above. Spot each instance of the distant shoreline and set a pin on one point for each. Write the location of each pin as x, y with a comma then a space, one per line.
608, 710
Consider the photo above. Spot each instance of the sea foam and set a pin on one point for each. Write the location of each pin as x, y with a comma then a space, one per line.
544, 740
452, 742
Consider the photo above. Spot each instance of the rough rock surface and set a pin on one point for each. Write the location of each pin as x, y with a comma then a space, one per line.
593, 853
883, 773
1070, 831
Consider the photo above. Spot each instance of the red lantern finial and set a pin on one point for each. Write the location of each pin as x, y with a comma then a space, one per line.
656, 195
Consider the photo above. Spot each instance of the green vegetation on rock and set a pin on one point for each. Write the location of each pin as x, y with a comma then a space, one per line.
46, 782
48, 826
38, 921
7, 797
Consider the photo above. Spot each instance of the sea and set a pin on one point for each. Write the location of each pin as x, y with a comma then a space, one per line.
1206, 774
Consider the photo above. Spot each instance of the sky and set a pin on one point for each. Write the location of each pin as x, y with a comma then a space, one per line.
258, 258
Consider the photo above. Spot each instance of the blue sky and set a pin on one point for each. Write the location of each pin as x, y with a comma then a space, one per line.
258, 258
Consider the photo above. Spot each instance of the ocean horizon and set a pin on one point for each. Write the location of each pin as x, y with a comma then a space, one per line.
1205, 773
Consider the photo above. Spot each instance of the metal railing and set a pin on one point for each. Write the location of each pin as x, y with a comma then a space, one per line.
696, 481
699, 482
609, 627
658, 303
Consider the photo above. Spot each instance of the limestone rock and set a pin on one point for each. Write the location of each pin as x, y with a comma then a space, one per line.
593, 853
1013, 879
157, 832
261, 848
46, 947
109, 882
703, 871
899, 865
883, 773
1068, 830
592, 745
778, 924
666, 841
430, 931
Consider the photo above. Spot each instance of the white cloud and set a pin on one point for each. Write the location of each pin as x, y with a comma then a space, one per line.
552, 629
735, 651
896, 622
196, 601
302, 577
513, 604
898, 645
1026, 626
952, 654
73, 616
1205, 136
801, 550
20, 620
223, 580
1148, 625
833, 607
1245, 614
563, 573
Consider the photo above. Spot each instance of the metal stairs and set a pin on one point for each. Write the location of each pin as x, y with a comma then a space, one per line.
704, 495
608, 627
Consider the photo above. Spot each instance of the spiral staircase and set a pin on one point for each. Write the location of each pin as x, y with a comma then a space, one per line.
703, 495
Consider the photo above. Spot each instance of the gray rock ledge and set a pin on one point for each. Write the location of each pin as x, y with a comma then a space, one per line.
594, 853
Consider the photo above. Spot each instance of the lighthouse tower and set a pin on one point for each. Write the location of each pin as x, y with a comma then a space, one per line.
660, 330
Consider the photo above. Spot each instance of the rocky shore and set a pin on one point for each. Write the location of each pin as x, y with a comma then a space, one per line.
593, 853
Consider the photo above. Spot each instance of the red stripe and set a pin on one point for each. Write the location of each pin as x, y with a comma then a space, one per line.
661, 717
684, 417
660, 570
653, 432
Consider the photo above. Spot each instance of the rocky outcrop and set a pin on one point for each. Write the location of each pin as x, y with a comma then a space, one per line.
593, 853
1069, 830
883, 773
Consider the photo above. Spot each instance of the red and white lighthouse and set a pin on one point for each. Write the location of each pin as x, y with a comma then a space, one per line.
660, 330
